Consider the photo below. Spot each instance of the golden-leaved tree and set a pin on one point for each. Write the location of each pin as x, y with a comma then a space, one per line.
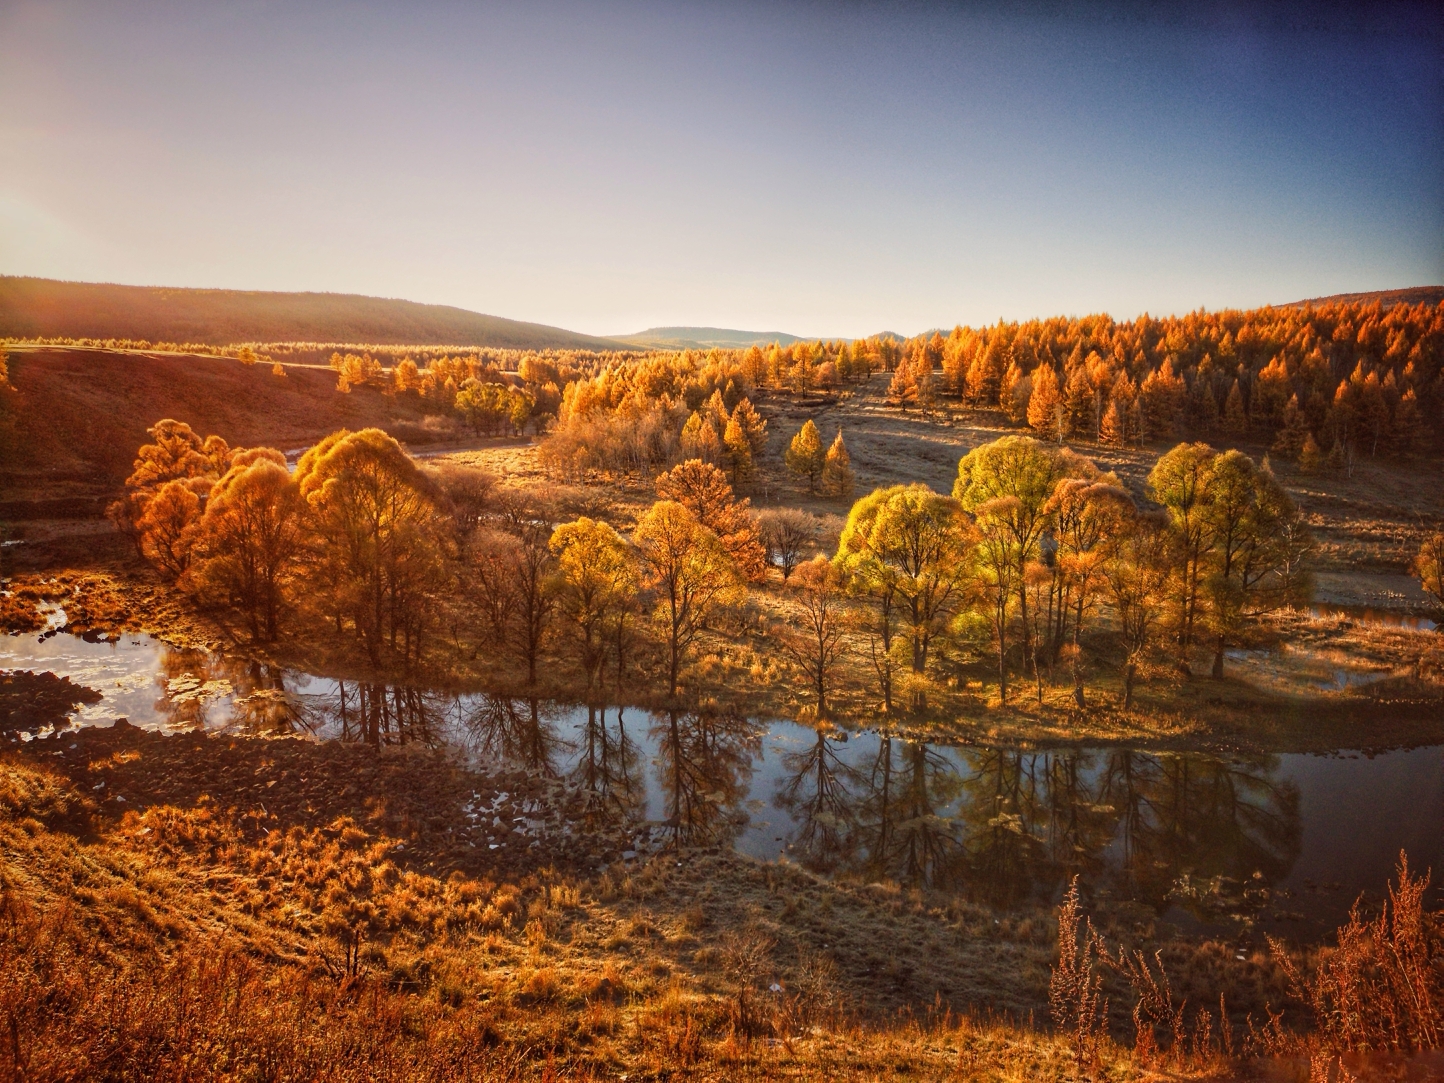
702, 489
596, 584
378, 538
689, 573
249, 539
806, 456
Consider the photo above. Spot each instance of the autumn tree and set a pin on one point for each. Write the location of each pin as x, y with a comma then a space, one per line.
178, 461
167, 527
701, 440
917, 542
512, 567
1087, 514
1022, 473
1256, 529
1000, 572
806, 457
1429, 567
1046, 411
871, 580
816, 641
703, 490
837, 479
1180, 481
250, 537
752, 426
737, 451
467, 493
377, 537
690, 574
786, 534
1138, 569
595, 584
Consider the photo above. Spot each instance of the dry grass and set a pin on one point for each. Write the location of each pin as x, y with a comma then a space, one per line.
196, 944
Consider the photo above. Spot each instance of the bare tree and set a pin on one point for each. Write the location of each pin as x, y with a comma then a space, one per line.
787, 534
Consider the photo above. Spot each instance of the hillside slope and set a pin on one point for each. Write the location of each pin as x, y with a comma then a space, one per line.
1414, 295
45, 308
694, 338
76, 416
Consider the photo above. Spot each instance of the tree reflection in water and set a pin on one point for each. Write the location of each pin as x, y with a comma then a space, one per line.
251, 695
609, 768
704, 767
517, 731
381, 714
816, 794
1002, 826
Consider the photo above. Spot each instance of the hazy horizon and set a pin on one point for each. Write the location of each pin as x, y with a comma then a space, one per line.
837, 172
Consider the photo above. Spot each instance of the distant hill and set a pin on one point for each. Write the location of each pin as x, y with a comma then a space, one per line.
1414, 295
704, 338
45, 308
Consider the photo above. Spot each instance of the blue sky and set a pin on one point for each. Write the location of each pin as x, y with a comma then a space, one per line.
822, 169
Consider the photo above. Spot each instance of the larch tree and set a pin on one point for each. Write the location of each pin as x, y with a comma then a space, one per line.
752, 425
703, 489
806, 457
1429, 567
837, 477
737, 450
1046, 411
869, 579
250, 538
689, 573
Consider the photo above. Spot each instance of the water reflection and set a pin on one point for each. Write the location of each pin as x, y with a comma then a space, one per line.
704, 768
1004, 826
997, 825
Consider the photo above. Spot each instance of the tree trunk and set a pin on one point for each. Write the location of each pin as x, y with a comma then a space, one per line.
1218, 660
1129, 672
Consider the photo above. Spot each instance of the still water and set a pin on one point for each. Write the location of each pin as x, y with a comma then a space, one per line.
1281, 843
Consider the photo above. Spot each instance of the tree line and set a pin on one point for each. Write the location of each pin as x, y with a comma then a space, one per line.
1036, 558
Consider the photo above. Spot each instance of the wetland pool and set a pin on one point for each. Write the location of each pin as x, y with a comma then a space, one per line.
1283, 843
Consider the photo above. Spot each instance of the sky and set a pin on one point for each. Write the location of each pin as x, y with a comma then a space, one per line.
834, 169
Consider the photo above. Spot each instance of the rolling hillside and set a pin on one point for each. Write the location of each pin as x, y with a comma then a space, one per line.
45, 308
704, 338
1414, 295
70, 429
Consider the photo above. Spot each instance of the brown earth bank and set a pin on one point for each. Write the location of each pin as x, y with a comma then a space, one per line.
78, 415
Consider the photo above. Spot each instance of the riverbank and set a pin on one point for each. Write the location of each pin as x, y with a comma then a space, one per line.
1305, 683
